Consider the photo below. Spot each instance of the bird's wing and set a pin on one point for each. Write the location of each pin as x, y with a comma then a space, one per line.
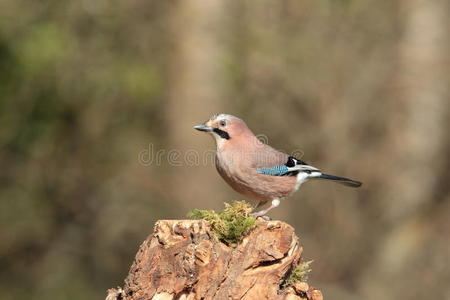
292, 167
269, 161
276, 163
265, 156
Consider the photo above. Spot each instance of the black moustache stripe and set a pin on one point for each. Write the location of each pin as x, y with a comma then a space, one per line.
221, 133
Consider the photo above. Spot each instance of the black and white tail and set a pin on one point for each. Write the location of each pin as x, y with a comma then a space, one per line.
303, 171
341, 180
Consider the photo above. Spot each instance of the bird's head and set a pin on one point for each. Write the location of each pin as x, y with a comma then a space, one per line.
224, 128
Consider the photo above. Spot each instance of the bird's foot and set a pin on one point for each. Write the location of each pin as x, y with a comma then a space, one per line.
262, 213
258, 214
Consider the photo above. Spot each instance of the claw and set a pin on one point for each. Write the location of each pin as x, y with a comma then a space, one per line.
261, 213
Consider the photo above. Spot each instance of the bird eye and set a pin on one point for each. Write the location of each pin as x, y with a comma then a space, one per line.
222, 123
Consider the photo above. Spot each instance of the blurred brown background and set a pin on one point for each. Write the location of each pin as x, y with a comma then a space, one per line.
90, 91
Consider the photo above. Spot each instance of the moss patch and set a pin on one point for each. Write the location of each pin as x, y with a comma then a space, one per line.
300, 273
230, 225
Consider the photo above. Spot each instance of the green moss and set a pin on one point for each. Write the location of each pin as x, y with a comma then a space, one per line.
229, 225
300, 273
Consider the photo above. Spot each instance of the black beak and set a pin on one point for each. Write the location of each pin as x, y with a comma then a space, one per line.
203, 127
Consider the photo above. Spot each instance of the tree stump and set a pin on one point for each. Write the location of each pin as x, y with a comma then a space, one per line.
183, 260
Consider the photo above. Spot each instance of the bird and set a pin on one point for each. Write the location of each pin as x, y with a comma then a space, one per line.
255, 169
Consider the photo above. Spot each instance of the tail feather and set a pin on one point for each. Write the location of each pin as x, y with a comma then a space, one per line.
341, 180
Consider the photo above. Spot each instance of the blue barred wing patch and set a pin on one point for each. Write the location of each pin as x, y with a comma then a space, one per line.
274, 171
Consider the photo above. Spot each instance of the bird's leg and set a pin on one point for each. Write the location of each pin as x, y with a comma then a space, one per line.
259, 205
261, 213
275, 203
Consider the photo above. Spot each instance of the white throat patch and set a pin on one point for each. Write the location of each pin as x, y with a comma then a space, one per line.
219, 141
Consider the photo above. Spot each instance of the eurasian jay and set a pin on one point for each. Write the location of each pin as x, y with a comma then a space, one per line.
255, 169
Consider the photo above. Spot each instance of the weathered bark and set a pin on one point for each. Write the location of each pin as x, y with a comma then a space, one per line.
183, 259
